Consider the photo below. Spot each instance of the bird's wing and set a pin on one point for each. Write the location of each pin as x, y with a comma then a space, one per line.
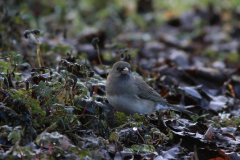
146, 92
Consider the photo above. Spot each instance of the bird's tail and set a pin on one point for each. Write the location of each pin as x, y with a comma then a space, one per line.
180, 109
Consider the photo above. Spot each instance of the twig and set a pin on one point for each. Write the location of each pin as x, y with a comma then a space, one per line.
50, 149
10, 72
99, 58
96, 46
5, 99
153, 137
59, 91
231, 90
40, 150
50, 127
159, 140
78, 137
49, 105
195, 152
95, 91
140, 135
118, 149
5, 57
87, 115
89, 121
120, 127
83, 112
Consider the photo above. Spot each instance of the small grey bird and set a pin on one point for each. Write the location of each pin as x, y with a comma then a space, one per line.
130, 94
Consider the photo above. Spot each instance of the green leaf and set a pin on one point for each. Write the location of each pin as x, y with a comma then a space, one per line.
143, 148
15, 135
148, 148
136, 147
121, 118
42, 85
148, 137
114, 136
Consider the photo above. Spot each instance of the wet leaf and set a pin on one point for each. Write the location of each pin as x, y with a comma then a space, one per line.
192, 92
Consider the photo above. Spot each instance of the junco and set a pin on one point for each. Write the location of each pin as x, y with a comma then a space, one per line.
130, 94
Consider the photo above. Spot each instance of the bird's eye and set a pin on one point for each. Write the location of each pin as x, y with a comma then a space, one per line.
117, 68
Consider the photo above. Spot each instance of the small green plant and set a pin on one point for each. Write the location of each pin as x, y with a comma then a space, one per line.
195, 118
121, 118
233, 57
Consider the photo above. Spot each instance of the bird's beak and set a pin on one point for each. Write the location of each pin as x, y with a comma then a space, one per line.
125, 70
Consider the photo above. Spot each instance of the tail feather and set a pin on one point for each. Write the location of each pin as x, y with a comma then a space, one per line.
180, 109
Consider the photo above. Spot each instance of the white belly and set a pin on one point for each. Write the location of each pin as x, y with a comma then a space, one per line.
131, 105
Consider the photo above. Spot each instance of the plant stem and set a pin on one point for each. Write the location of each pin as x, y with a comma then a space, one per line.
38, 52
99, 58
83, 112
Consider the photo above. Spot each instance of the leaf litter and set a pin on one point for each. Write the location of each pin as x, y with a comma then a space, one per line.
53, 103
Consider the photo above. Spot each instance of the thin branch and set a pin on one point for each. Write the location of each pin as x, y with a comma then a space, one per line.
140, 135
83, 111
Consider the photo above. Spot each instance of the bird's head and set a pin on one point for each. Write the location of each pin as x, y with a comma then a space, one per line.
120, 68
